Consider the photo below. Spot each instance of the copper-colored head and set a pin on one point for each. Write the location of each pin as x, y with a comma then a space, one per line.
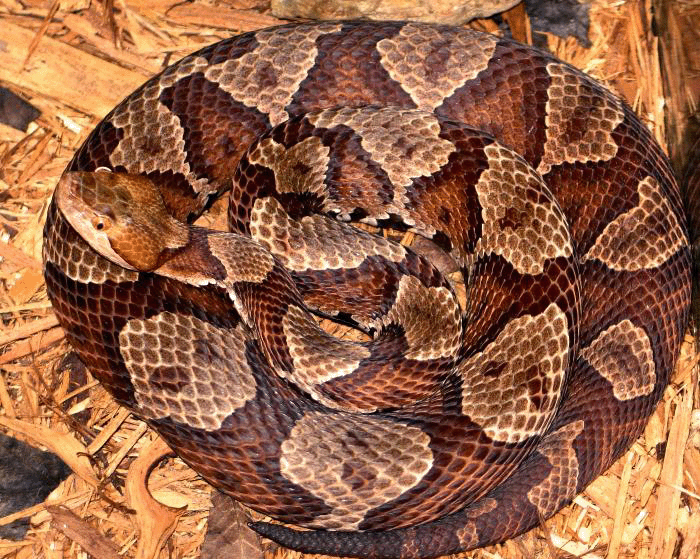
121, 216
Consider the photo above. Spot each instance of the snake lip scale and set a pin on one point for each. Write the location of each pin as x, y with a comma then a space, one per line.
456, 422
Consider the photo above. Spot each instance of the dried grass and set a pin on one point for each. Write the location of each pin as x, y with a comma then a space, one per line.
75, 62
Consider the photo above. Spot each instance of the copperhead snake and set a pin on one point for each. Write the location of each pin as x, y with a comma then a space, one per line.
455, 422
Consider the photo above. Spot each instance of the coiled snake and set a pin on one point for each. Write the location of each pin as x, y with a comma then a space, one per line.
453, 424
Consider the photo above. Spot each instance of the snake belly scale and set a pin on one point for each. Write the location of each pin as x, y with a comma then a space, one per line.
450, 425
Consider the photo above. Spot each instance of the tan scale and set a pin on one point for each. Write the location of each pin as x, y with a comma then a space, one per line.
411, 56
287, 57
315, 242
525, 232
560, 484
467, 534
622, 354
194, 358
318, 357
423, 312
512, 388
153, 138
593, 142
188, 66
635, 240
80, 263
405, 143
243, 259
301, 168
354, 463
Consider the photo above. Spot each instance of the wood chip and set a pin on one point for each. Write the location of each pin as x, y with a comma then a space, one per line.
82, 533
32, 345
229, 536
26, 285
218, 16
59, 70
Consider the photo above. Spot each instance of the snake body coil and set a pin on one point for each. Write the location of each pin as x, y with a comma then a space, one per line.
455, 423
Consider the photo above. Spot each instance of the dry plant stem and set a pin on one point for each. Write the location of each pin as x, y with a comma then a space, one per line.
108, 430
39, 305
691, 541
125, 448
41, 32
24, 513
155, 521
8, 406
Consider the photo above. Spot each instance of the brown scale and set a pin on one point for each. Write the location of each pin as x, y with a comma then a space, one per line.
458, 482
342, 58
512, 92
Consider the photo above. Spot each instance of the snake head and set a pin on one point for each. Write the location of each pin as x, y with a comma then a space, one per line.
121, 216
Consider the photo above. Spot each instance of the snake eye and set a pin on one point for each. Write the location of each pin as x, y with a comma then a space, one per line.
100, 223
